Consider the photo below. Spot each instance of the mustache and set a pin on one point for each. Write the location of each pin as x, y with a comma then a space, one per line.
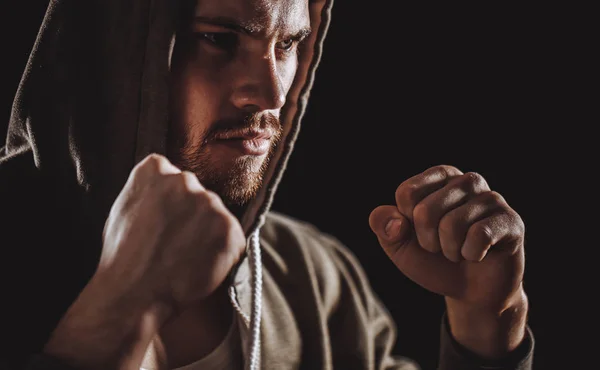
253, 121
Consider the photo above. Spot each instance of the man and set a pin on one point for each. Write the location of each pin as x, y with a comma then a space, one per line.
144, 149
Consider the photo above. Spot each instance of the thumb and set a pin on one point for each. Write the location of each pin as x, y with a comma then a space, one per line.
432, 271
392, 229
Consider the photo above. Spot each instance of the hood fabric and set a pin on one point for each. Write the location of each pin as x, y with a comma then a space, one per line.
93, 101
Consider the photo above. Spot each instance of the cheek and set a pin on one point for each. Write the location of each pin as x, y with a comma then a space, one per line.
287, 72
199, 99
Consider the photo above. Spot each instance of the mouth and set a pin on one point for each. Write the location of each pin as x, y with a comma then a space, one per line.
255, 142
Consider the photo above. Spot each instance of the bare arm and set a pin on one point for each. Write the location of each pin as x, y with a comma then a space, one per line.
106, 327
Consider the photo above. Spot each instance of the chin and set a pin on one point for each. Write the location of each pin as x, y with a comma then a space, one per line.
238, 184
236, 180
238, 194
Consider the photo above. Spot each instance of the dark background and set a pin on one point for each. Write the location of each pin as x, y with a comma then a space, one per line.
499, 91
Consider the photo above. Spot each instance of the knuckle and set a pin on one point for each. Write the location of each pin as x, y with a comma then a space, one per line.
187, 175
148, 166
494, 198
407, 196
473, 181
190, 181
219, 220
444, 171
231, 224
211, 204
520, 224
483, 232
235, 240
209, 207
152, 161
226, 224
213, 200
517, 225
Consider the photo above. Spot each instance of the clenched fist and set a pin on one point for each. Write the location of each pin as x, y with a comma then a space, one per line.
168, 244
168, 236
451, 234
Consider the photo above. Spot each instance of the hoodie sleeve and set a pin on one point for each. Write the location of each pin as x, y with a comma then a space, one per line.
454, 356
379, 333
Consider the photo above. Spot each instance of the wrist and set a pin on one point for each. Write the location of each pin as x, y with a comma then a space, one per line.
489, 333
108, 326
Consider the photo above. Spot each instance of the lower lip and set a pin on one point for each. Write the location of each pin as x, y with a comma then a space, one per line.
248, 147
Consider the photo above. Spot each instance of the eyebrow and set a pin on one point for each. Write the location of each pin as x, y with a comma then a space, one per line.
248, 28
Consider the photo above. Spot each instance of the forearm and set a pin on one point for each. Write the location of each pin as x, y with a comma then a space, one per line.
106, 327
489, 334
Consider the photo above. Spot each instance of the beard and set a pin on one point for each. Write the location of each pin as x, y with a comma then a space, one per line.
236, 180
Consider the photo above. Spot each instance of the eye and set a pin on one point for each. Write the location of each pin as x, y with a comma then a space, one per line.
221, 40
286, 45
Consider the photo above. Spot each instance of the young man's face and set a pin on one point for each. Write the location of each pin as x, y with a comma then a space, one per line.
231, 74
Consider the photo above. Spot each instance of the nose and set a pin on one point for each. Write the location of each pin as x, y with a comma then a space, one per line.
258, 85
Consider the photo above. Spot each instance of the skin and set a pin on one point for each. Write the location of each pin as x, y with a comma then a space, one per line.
226, 79
454, 236
166, 282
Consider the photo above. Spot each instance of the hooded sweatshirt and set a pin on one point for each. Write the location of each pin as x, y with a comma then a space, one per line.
93, 101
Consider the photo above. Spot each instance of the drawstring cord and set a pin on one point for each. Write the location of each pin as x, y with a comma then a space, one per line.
254, 258
255, 316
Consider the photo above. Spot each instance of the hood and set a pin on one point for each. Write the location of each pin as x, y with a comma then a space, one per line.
94, 100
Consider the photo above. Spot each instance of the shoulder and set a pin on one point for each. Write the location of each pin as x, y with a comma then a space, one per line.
298, 250
287, 236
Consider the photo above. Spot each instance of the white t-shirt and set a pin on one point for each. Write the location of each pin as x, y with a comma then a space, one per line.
227, 356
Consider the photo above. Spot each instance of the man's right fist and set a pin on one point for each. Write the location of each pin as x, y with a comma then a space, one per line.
167, 238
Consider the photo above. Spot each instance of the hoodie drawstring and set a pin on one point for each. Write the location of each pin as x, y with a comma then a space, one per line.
253, 322
255, 315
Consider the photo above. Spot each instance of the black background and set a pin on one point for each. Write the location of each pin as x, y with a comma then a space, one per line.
499, 91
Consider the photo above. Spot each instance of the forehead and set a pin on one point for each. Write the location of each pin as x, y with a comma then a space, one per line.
259, 15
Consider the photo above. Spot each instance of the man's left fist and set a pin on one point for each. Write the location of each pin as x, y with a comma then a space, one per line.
452, 235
